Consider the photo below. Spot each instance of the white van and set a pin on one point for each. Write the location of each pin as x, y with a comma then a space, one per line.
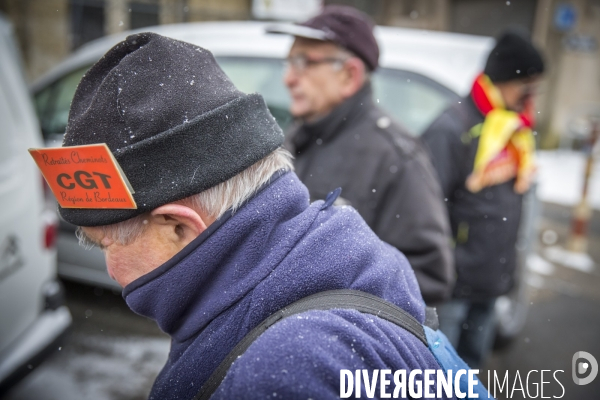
33, 317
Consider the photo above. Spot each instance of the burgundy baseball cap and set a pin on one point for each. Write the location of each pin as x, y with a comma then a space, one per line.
343, 25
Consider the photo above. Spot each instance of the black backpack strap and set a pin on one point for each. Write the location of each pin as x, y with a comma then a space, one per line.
342, 299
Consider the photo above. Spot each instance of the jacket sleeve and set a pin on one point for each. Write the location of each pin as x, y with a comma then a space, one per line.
442, 141
413, 218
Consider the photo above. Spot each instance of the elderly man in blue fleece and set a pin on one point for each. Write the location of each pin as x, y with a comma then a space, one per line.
224, 235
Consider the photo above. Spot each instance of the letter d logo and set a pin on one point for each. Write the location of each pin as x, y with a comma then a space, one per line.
583, 367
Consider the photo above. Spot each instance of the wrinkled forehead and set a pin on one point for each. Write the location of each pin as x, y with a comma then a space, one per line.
313, 47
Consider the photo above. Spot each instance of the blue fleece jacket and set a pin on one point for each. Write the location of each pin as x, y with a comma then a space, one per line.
275, 250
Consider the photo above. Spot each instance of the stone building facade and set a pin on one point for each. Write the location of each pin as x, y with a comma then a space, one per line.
48, 30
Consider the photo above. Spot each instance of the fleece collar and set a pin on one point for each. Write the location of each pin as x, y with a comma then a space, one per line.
217, 268
274, 250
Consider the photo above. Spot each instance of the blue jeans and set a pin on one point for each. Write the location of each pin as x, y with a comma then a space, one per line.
470, 327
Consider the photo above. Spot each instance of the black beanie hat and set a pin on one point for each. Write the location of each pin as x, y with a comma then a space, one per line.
173, 120
513, 57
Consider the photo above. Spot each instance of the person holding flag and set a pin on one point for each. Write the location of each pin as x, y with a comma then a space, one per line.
483, 151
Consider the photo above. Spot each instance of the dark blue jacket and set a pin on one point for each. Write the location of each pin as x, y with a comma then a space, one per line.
275, 250
485, 225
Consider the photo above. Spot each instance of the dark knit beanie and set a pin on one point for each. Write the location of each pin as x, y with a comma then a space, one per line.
173, 120
513, 57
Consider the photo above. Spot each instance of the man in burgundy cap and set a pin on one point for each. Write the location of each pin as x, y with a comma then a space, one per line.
342, 139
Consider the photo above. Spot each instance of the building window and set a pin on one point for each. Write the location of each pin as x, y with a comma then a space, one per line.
143, 14
87, 21
492, 17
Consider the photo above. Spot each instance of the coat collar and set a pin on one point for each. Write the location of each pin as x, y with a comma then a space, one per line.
326, 128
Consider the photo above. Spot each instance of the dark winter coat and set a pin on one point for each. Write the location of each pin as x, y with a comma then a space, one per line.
484, 224
385, 174
277, 249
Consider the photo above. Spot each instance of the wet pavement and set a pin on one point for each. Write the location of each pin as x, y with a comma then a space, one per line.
114, 354
564, 318
109, 354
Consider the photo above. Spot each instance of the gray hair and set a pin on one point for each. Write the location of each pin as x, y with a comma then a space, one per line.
213, 202
346, 54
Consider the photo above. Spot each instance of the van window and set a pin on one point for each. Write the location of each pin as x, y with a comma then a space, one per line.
410, 98
54, 101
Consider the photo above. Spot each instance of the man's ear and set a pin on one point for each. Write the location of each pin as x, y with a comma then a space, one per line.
355, 76
188, 224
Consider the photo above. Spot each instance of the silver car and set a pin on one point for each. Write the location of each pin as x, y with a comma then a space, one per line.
421, 73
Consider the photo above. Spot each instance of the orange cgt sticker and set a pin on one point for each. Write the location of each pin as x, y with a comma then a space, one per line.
85, 177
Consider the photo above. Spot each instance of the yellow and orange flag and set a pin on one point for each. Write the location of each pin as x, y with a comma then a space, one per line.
506, 147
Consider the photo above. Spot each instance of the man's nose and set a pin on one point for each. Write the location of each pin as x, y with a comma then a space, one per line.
290, 76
